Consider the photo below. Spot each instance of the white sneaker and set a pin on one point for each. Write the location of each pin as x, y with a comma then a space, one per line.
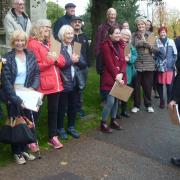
135, 109
28, 156
19, 159
150, 110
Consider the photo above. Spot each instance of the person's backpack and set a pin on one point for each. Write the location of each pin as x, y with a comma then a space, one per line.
99, 64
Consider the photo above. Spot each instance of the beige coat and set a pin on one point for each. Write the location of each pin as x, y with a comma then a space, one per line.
11, 24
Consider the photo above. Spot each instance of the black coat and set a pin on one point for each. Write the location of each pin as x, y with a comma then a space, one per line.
9, 73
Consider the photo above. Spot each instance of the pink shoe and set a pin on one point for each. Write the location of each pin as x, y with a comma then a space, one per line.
33, 147
55, 143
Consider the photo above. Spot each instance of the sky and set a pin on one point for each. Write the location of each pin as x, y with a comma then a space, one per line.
81, 5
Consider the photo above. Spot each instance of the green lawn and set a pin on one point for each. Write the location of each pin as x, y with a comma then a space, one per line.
91, 106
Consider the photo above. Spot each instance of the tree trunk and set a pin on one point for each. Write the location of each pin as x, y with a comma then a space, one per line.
98, 16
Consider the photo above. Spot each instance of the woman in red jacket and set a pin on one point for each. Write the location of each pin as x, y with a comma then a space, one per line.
114, 70
50, 81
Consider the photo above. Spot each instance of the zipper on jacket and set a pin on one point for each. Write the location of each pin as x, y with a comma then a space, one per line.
57, 78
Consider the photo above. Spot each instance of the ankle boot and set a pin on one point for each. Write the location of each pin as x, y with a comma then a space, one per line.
162, 104
105, 128
115, 125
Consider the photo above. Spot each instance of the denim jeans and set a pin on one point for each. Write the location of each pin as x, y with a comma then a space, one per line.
110, 107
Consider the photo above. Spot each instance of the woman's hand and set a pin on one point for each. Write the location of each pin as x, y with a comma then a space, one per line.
127, 58
172, 104
119, 78
52, 55
75, 58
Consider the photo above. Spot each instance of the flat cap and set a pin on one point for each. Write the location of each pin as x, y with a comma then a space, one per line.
69, 5
74, 18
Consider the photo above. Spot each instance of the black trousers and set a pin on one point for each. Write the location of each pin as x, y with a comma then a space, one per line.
67, 104
144, 79
53, 101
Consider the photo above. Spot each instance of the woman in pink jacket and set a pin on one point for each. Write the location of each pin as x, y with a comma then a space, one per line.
50, 80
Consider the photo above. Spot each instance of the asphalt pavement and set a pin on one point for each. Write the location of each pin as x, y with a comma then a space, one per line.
140, 152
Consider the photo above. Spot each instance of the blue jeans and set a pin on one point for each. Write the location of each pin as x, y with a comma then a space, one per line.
110, 107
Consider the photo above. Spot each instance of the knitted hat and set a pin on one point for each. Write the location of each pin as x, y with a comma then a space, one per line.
163, 28
141, 18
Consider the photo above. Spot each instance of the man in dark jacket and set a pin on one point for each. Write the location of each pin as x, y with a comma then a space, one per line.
81, 37
66, 19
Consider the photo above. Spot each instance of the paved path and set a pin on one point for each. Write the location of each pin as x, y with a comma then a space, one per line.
140, 152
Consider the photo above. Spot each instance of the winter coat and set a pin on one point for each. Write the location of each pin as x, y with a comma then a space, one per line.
66, 19
168, 54
11, 24
145, 61
71, 82
177, 42
9, 73
114, 64
130, 68
50, 80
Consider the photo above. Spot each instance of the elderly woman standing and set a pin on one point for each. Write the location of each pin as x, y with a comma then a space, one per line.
21, 69
165, 64
50, 80
68, 97
145, 66
114, 70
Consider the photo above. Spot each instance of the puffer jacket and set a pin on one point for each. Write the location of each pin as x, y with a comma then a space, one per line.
50, 80
71, 82
11, 24
9, 73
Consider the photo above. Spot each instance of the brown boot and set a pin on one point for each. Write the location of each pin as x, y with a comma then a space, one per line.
115, 125
105, 128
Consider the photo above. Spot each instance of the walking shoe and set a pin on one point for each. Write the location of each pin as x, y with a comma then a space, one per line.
150, 110
115, 125
55, 143
162, 104
125, 114
73, 132
62, 134
135, 109
175, 161
105, 128
28, 156
19, 159
33, 147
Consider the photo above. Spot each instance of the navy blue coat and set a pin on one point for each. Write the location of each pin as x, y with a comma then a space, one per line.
9, 73
71, 83
66, 19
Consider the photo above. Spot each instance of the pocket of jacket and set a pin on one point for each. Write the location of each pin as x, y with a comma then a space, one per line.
47, 82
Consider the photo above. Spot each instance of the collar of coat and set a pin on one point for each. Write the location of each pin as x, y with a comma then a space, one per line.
14, 13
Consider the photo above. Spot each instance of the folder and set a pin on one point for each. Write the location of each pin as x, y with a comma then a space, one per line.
77, 48
30, 97
55, 46
151, 39
174, 115
122, 92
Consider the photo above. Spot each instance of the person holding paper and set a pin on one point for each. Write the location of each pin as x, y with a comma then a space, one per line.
50, 81
175, 99
68, 97
165, 64
144, 64
21, 69
114, 70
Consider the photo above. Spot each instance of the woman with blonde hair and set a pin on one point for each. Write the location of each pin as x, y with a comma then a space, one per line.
21, 69
50, 81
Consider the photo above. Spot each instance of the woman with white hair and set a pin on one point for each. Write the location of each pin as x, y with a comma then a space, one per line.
130, 61
68, 97
50, 81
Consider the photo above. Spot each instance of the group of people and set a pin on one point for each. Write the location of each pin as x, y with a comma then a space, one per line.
31, 64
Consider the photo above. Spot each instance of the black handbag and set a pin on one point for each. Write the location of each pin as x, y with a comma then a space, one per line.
17, 131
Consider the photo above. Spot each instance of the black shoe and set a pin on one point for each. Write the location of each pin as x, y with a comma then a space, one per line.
115, 125
175, 161
82, 113
71, 131
105, 128
125, 114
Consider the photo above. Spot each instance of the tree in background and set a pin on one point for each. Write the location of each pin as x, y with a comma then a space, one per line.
54, 11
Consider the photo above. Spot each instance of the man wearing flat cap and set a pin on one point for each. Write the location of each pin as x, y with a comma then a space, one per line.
66, 19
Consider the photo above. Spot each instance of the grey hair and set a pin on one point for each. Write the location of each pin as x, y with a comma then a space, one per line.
126, 31
63, 30
111, 10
